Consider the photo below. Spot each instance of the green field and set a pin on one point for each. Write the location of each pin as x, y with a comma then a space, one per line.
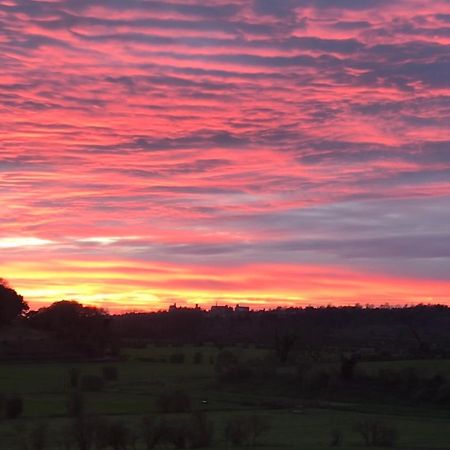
422, 367
141, 380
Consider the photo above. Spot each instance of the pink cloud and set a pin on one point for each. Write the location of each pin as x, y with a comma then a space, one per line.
228, 132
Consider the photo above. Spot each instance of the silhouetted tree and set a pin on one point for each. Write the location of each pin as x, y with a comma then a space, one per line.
376, 433
75, 404
283, 346
110, 373
348, 365
14, 407
245, 430
12, 305
174, 402
152, 432
74, 375
92, 383
84, 328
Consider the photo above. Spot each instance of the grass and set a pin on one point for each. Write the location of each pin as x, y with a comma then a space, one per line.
422, 366
44, 388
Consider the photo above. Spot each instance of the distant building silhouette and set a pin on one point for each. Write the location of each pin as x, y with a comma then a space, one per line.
220, 311
241, 309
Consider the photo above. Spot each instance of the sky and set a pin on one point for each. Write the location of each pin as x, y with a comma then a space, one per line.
261, 152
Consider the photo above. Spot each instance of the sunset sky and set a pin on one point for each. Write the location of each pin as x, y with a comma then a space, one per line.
261, 152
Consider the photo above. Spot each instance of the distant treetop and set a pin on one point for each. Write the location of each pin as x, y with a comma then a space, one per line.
12, 305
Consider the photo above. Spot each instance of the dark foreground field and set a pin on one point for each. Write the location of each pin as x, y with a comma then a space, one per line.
143, 375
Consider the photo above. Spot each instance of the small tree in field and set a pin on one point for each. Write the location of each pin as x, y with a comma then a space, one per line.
376, 433
245, 430
74, 375
38, 437
174, 402
83, 432
110, 373
14, 407
92, 383
75, 404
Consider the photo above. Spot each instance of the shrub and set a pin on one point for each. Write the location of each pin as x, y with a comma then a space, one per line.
19, 433
337, 438
120, 436
316, 380
442, 395
230, 370
245, 430
194, 432
38, 437
152, 432
235, 432
174, 402
177, 358
376, 433
92, 383
258, 426
348, 366
101, 433
409, 379
14, 407
423, 394
202, 431
225, 359
75, 404
83, 433
177, 433
64, 438
110, 373
198, 358
2, 404
74, 377
115, 435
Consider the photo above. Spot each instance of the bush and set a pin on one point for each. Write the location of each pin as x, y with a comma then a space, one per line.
120, 436
38, 437
194, 432
423, 394
202, 431
377, 434
115, 435
74, 377
198, 358
64, 438
92, 383
75, 404
230, 370
110, 373
337, 438
2, 404
153, 432
442, 395
174, 402
245, 430
83, 433
225, 359
177, 433
316, 380
348, 367
14, 407
100, 433
235, 432
177, 358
